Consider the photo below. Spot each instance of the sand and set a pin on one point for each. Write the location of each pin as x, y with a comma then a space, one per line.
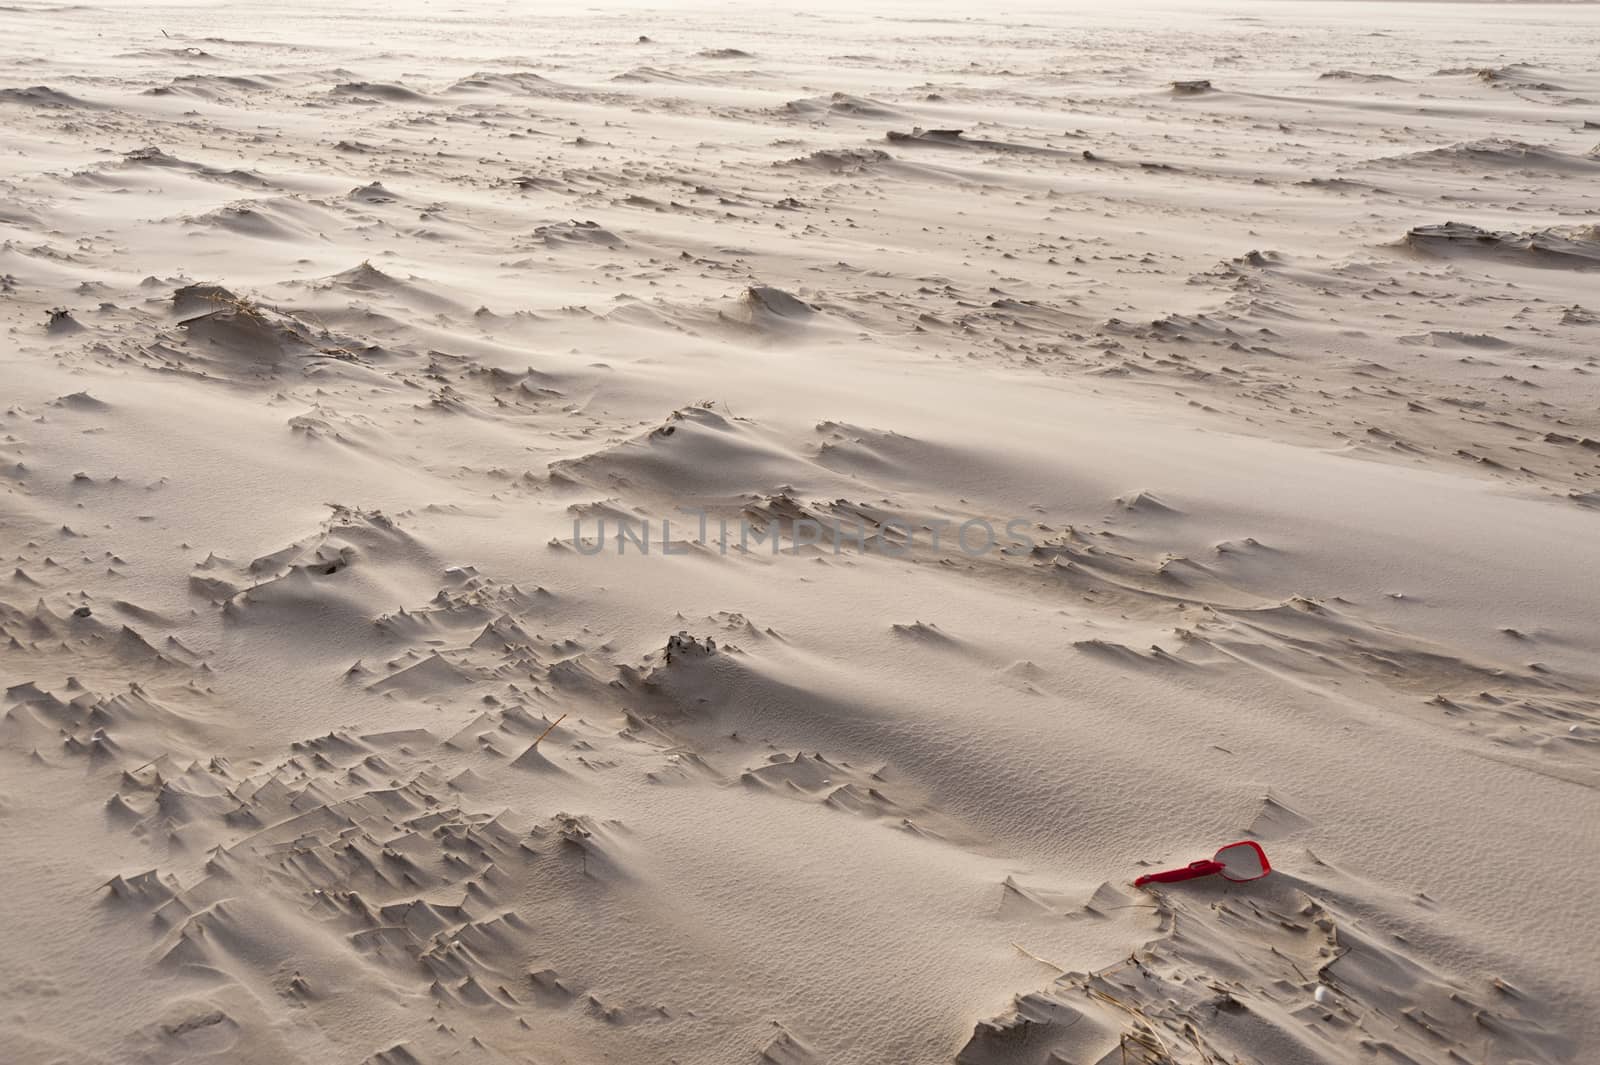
1175, 423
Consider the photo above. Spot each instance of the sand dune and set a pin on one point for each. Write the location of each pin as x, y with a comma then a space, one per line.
684, 534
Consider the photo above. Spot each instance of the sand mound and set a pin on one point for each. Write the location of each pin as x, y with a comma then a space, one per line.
1357, 76
508, 82
152, 156
956, 139
375, 193
841, 103
191, 300
767, 302
1514, 76
368, 281
1573, 248
42, 96
656, 76
230, 337
574, 232
1497, 153
700, 451
285, 220
1338, 986
212, 87
387, 92
844, 160
250, 333
82, 401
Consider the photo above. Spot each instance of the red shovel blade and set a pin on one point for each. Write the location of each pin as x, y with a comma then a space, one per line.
1244, 860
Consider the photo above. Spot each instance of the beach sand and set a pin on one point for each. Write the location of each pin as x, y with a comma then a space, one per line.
1208, 395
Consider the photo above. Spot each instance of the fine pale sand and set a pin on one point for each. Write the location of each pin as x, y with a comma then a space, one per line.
1262, 337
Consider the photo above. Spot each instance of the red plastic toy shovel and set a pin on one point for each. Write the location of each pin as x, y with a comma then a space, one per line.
1244, 860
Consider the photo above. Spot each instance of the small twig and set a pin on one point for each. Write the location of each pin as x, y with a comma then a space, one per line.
549, 730
1028, 953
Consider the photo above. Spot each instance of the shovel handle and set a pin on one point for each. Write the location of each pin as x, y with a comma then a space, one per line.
1204, 867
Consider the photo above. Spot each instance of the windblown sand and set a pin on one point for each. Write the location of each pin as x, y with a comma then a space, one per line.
333, 332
